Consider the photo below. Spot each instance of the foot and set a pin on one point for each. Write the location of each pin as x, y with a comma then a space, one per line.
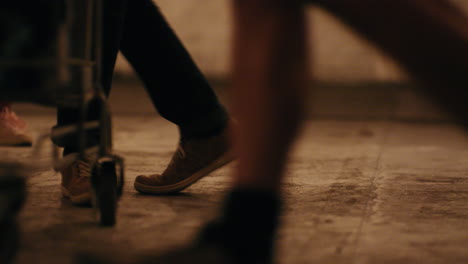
13, 130
193, 160
76, 182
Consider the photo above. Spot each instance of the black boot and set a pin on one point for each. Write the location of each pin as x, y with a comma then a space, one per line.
247, 227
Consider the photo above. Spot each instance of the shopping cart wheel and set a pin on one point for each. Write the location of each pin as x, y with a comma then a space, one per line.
105, 187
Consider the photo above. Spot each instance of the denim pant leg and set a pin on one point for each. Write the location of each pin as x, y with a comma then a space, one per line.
176, 86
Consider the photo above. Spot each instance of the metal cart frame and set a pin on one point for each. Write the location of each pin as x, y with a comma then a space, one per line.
54, 59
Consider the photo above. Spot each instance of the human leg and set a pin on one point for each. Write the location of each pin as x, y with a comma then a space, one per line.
175, 84
181, 94
269, 74
428, 37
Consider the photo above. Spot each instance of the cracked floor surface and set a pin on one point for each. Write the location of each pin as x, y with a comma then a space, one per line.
356, 192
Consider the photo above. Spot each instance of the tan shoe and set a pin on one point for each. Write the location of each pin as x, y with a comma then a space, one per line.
76, 182
193, 160
13, 130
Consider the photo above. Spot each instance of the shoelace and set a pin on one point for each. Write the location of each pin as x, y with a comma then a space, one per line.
84, 169
181, 151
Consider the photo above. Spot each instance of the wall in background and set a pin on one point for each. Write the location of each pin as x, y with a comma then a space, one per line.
340, 55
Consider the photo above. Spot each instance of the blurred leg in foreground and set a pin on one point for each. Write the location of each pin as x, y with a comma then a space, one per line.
181, 94
429, 38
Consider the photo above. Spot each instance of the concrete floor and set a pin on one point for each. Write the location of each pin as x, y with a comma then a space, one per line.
356, 192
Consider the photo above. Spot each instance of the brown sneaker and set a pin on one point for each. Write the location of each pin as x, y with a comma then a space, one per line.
193, 160
76, 184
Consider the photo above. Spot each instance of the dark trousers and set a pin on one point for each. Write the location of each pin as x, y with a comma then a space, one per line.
175, 84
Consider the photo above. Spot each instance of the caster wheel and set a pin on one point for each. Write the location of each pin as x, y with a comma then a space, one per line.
105, 187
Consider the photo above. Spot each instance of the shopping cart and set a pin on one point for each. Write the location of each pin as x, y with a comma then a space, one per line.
50, 54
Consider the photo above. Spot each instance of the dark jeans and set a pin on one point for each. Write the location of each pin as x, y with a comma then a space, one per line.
175, 84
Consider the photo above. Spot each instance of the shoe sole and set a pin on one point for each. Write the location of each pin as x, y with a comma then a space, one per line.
82, 199
18, 144
19, 140
177, 187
